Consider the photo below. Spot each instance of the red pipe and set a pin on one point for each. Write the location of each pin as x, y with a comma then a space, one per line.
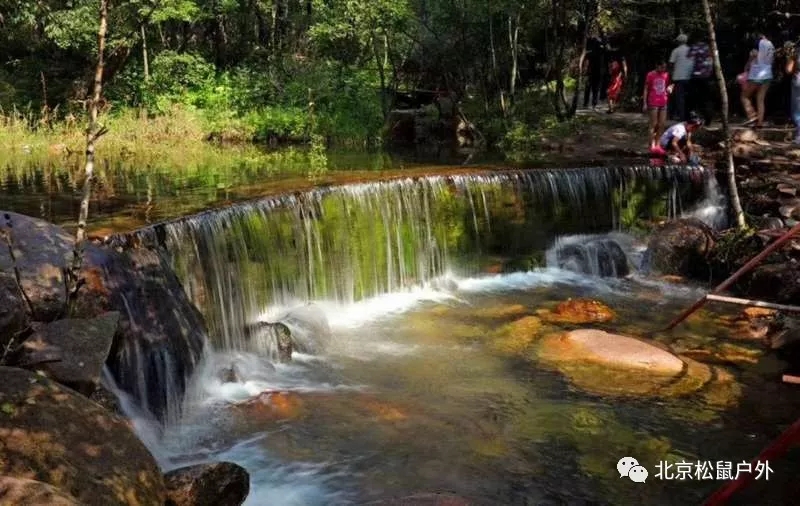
774, 451
735, 276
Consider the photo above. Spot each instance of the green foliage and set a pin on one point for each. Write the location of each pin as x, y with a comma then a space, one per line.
278, 123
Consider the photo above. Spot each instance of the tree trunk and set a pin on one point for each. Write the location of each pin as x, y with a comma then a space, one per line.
513, 42
503, 106
736, 204
381, 74
93, 133
145, 58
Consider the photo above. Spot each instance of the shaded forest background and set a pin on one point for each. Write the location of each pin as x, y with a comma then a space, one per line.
286, 70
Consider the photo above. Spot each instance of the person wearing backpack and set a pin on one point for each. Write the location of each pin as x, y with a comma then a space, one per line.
700, 96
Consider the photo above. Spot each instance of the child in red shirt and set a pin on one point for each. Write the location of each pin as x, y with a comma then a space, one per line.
656, 95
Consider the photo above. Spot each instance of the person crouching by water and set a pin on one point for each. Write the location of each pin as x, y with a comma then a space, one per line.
656, 96
676, 142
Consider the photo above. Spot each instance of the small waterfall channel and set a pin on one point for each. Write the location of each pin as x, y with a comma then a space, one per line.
393, 241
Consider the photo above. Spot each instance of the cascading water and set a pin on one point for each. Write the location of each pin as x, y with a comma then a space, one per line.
353, 242
362, 250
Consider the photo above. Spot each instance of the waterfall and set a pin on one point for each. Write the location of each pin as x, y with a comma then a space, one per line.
348, 243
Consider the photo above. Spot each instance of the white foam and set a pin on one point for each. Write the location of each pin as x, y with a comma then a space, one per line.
530, 279
357, 314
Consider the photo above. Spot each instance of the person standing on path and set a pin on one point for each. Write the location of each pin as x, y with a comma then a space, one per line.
700, 82
681, 65
595, 58
758, 80
655, 98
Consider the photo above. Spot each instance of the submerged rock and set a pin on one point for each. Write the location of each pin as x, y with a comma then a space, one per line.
217, 484
52, 434
682, 247
578, 311
270, 406
515, 337
605, 363
82, 347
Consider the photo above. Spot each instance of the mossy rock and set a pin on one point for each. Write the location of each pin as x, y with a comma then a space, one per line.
609, 364
516, 337
578, 312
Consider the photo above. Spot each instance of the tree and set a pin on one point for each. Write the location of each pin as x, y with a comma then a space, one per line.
736, 204
93, 133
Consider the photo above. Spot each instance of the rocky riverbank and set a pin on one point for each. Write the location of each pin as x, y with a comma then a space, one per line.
62, 439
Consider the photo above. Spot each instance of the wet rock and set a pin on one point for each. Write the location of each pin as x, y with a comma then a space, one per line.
41, 253
500, 312
617, 351
612, 364
273, 337
161, 334
309, 327
787, 334
598, 257
51, 434
272, 406
681, 247
81, 345
107, 399
578, 311
514, 338
283, 337
426, 499
217, 484
228, 375
725, 354
14, 317
779, 282
32, 493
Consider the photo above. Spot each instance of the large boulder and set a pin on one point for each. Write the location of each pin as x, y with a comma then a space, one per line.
682, 247
160, 336
161, 333
41, 253
612, 364
217, 484
54, 435
32, 493
81, 348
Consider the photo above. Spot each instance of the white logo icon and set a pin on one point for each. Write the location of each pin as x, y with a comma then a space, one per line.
629, 466
625, 464
638, 474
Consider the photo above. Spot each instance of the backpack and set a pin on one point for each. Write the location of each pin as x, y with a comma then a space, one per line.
703, 64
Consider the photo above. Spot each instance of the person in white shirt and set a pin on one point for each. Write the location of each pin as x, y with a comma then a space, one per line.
676, 142
759, 76
682, 66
